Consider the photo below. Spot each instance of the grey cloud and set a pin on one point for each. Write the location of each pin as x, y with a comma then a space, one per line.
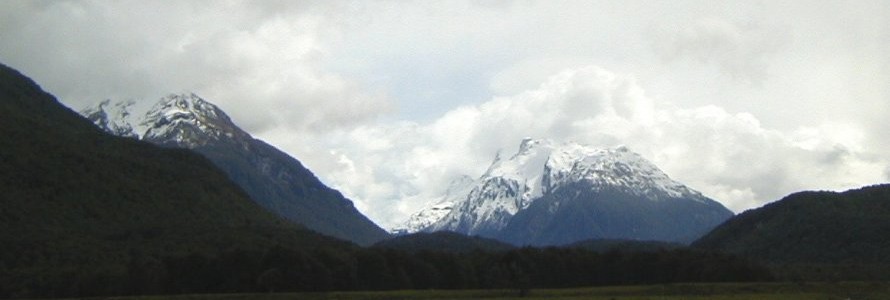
730, 157
742, 51
836, 155
260, 62
322, 79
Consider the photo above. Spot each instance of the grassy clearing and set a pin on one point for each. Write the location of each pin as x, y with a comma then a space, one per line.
734, 291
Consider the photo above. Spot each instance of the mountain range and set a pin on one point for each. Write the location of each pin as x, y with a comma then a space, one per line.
545, 194
275, 180
85, 213
552, 193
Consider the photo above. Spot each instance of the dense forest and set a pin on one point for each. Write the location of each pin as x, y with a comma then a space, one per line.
814, 235
279, 269
442, 241
605, 245
79, 205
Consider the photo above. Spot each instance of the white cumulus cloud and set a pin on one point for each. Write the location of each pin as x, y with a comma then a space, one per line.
731, 157
261, 62
388, 100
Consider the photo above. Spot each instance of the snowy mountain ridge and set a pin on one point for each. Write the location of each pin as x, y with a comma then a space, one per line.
185, 119
617, 167
457, 191
538, 168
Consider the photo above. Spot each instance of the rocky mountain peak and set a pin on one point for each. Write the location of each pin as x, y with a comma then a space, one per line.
182, 119
544, 169
187, 118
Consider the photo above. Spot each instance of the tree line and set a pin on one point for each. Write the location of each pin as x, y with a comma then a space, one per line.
280, 269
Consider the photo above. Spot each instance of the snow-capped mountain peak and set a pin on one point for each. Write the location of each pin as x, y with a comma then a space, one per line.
181, 118
540, 167
176, 117
617, 167
526, 166
508, 186
456, 192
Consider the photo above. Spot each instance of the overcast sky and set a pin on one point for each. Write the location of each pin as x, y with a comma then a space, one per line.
746, 101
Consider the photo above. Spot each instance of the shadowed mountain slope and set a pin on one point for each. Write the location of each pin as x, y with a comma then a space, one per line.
80, 207
275, 180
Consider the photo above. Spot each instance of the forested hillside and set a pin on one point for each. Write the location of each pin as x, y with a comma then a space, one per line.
845, 234
82, 210
443, 241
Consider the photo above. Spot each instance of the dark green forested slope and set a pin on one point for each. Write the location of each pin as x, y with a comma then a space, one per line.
443, 241
606, 245
813, 228
78, 206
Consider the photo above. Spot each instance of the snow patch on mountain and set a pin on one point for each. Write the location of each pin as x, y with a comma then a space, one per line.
115, 118
456, 192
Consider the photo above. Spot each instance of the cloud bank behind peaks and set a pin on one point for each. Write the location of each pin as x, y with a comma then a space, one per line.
728, 156
260, 61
